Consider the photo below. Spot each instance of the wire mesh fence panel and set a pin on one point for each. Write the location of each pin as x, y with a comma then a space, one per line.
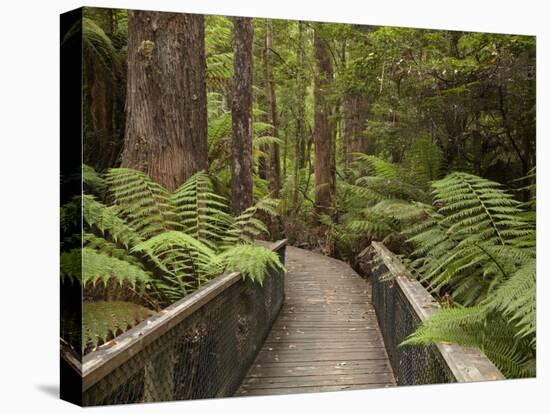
401, 305
204, 355
397, 319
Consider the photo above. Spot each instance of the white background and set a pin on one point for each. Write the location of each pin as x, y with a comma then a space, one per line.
29, 159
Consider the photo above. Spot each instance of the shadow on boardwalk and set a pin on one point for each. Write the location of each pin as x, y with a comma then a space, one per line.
326, 337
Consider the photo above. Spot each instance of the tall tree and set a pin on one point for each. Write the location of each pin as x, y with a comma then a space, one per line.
300, 142
324, 129
241, 148
166, 123
274, 163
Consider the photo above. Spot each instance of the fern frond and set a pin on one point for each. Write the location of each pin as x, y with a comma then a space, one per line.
469, 327
104, 320
143, 203
516, 299
393, 188
97, 215
98, 267
247, 225
201, 212
252, 261
378, 167
92, 180
184, 260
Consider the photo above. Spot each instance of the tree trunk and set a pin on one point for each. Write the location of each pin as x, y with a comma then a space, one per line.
166, 125
355, 110
274, 162
299, 144
324, 130
241, 149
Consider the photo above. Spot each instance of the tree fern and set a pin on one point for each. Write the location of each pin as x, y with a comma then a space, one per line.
476, 327
375, 166
143, 203
183, 260
385, 188
200, 212
98, 267
103, 218
474, 205
102, 321
152, 246
248, 225
469, 245
423, 162
92, 180
254, 262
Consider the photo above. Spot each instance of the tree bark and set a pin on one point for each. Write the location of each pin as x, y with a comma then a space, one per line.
166, 125
241, 149
355, 109
300, 143
274, 162
324, 129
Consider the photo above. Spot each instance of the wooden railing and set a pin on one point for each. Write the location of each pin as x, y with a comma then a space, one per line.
211, 336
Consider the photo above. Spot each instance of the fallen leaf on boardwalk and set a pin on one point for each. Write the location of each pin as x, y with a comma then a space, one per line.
292, 346
270, 349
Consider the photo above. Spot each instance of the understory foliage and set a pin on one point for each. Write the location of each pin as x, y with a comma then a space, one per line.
467, 239
476, 247
145, 247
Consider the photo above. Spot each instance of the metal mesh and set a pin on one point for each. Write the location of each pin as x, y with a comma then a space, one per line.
397, 319
204, 356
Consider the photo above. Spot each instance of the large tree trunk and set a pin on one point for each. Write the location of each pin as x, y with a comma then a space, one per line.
166, 125
355, 112
324, 132
241, 149
274, 163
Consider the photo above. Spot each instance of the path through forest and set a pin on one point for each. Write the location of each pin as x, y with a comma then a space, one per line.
326, 337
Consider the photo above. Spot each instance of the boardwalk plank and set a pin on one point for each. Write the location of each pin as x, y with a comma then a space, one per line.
326, 337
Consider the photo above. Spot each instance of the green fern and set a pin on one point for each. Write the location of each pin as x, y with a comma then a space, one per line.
98, 267
423, 162
105, 219
144, 204
476, 327
472, 243
201, 212
254, 262
247, 225
375, 166
102, 321
92, 180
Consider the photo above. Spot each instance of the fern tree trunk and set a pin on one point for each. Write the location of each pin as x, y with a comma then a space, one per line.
241, 148
324, 130
166, 125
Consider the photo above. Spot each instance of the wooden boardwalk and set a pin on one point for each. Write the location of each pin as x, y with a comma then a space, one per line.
326, 337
